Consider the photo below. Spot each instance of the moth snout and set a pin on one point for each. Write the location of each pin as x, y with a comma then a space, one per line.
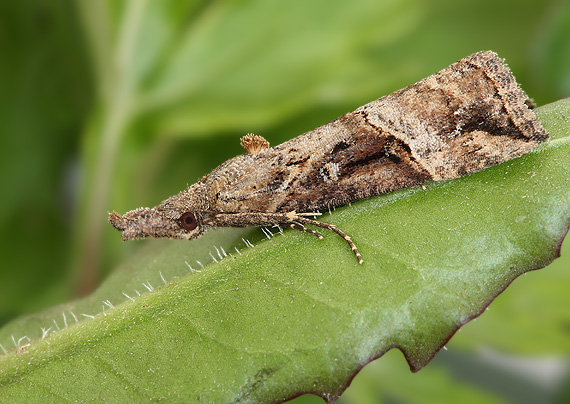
116, 221
145, 222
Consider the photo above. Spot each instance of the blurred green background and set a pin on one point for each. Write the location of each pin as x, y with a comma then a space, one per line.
112, 105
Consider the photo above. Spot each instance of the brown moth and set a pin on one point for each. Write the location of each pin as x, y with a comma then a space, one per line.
469, 116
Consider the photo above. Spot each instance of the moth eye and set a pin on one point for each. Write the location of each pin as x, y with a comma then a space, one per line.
188, 221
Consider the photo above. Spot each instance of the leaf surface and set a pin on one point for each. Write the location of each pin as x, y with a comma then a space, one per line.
295, 314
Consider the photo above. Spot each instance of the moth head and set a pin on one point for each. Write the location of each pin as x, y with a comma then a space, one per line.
152, 222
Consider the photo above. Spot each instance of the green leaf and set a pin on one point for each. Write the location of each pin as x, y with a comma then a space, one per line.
295, 314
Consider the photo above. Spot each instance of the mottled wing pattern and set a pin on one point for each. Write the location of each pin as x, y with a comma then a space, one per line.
467, 117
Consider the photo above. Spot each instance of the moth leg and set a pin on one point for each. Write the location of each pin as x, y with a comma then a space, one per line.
332, 227
299, 226
291, 219
308, 214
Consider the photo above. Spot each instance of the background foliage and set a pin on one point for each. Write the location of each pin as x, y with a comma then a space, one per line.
117, 104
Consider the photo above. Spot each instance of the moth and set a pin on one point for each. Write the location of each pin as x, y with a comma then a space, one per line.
467, 117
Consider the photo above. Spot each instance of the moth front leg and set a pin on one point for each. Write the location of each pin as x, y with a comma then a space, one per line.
338, 231
255, 219
299, 226
292, 219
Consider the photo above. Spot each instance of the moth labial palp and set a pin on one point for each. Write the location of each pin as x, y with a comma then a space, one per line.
465, 118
